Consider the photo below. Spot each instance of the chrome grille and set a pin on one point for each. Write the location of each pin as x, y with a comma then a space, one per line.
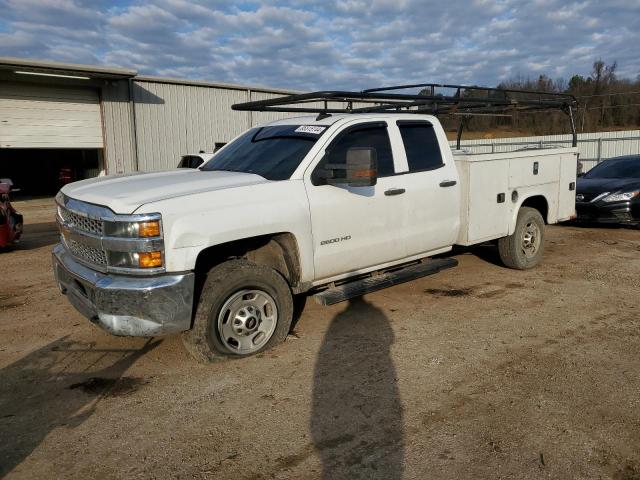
87, 253
80, 222
84, 236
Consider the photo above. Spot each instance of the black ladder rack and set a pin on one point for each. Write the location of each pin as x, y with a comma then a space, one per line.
466, 101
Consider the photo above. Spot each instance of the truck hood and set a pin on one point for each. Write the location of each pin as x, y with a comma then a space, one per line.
126, 193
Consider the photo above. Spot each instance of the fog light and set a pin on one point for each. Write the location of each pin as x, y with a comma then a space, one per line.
149, 229
150, 259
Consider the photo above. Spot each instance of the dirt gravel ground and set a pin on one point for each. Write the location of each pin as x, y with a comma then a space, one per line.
478, 372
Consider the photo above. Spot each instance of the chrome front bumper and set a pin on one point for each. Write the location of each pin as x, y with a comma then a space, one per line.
126, 305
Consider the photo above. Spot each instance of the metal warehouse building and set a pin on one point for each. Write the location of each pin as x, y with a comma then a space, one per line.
59, 120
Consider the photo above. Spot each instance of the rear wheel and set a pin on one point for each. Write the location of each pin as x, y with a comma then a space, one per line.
525, 247
244, 309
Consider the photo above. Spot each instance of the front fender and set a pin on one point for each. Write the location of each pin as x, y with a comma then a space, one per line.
196, 222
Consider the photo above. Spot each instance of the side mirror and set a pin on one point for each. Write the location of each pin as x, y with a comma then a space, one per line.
360, 169
581, 174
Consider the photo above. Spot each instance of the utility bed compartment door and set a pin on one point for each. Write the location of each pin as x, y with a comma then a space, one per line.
487, 212
485, 199
538, 170
567, 192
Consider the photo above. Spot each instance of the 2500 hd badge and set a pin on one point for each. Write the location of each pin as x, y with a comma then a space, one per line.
336, 240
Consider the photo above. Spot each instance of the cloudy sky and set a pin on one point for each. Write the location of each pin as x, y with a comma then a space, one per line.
329, 44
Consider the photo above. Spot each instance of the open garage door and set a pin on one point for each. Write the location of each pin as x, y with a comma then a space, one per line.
38, 116
43, 171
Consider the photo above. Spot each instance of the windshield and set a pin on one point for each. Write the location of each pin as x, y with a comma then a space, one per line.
616, 168
271, 152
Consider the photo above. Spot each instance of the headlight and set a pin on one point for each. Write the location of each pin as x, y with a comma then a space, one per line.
133, 229
135, 259
620, 197
134, 244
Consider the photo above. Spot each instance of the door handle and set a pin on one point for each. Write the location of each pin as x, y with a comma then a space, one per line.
394, 191
448, 183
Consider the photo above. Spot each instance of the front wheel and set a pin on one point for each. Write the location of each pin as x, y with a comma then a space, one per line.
244, 309
524, 248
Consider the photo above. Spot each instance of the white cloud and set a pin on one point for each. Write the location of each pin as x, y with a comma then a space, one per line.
333, 44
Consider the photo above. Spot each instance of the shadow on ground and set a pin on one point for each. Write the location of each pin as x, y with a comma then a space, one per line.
59, 385
356, 419
487, 252
38, 235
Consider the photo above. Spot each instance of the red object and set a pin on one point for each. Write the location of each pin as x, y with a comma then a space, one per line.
10, 220
65, 176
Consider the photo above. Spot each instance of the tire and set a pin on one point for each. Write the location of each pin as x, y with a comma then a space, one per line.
244, 309
524, 248
299, 304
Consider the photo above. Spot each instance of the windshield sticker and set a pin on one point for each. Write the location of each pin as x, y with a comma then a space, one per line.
310, 129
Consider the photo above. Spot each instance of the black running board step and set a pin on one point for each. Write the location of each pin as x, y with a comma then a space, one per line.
370, 284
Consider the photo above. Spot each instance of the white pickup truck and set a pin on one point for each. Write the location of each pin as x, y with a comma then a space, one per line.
335, 206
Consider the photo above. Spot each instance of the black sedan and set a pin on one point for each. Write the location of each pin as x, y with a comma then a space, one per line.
610, 192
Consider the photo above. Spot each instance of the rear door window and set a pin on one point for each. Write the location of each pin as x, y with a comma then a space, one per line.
421, 145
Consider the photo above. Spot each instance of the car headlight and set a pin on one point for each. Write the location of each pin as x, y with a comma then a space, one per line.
146, 229
620, 196
132, 244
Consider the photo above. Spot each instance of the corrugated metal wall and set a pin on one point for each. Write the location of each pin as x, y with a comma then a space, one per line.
173, 118
259, 118
593, 147
119, 140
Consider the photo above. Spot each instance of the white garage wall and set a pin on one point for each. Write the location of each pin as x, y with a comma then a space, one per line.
173, 120
119, 138
169, 118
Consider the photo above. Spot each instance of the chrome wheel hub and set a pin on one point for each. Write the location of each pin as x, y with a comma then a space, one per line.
247, 321
530, 239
